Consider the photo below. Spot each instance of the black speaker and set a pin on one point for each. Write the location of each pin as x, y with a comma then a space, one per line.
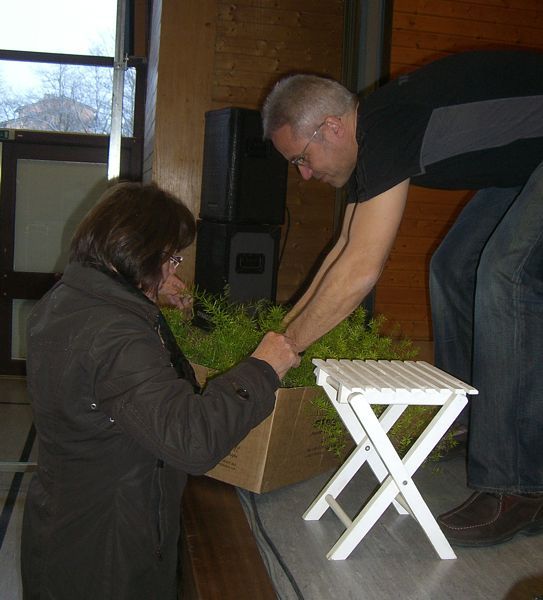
244, 178
242, 257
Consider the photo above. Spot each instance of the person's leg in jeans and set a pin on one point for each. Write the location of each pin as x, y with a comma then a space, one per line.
506, 454
505, 451
453, 271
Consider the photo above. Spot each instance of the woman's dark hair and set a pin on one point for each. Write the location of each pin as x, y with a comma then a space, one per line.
132, 229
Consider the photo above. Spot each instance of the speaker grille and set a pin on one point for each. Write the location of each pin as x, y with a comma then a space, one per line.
242, 257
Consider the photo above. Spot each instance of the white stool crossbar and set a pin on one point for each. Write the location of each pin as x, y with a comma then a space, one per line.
353, 386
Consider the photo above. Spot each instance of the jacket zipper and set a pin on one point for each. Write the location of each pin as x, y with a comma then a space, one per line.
160, 467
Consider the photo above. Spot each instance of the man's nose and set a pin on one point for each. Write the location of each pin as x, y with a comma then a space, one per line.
305, 172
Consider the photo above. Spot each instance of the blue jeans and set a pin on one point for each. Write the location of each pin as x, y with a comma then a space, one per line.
486, 288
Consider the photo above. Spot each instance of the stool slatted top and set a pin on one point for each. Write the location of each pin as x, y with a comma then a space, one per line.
386, 376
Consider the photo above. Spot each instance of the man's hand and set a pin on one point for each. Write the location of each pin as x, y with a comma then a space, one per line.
278, 351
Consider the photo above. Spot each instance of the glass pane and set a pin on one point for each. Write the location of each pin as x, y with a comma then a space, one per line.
65, 26
19, 315
52, 198
61, 98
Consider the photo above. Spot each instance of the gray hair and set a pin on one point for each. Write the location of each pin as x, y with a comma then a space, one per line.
303, 101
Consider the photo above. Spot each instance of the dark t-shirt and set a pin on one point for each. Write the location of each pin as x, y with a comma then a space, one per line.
468, 121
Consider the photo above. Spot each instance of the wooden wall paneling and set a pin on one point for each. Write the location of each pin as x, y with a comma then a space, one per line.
408, 296
488, 16
401, 322
422, 31
429, 228
310, 208
185, 74
494, 33
323, 7
413, 41
257, 42
399, 278
217, 54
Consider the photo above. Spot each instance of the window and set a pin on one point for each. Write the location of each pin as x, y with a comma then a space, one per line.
56, 66
60, 26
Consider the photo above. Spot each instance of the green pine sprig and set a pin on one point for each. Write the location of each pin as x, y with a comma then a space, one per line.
237, 330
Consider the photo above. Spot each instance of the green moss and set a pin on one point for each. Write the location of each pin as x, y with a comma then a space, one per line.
237, 329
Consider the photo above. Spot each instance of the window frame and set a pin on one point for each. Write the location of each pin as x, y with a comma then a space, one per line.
85, 60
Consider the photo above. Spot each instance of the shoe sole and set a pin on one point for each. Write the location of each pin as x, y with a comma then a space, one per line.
529, 530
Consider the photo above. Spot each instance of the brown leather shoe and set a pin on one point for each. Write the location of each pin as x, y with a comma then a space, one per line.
486, 519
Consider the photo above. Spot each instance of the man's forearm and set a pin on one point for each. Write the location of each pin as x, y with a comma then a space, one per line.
368, 231
333, 300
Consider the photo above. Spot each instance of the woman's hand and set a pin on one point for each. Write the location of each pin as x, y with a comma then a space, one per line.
279, 351
174, 292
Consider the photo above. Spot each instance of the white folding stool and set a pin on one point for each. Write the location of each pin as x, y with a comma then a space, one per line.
353, 387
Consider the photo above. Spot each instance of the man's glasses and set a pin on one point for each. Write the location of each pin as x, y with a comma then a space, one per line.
175, 260
300, 160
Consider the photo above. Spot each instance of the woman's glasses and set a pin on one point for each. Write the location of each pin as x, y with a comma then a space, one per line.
175, 260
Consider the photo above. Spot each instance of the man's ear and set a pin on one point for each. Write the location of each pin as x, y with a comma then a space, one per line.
335, 125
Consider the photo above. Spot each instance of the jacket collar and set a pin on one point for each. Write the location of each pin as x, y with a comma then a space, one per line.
109, 287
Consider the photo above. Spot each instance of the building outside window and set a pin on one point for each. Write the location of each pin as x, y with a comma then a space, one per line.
61, 78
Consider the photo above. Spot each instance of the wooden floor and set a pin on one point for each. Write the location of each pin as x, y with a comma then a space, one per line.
220, 556
284, 556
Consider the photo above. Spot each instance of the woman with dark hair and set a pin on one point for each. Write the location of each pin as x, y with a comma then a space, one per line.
119, 416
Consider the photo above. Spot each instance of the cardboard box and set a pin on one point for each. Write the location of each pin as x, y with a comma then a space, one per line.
285, 448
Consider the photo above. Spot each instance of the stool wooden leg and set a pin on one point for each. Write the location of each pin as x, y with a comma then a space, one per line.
353, 388
436, 429
400, 479
364, 521
364, 451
